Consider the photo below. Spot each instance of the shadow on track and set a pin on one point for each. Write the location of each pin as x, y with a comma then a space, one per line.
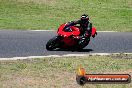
82, 50
86, 50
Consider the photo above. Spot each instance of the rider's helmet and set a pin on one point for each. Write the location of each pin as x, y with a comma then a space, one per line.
84, 19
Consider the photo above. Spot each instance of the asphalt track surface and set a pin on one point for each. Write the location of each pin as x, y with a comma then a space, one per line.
15, 43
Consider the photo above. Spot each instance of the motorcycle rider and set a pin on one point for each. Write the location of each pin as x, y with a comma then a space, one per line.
85, 29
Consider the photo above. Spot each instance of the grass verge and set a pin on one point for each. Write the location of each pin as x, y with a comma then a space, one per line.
61, 72
106, 15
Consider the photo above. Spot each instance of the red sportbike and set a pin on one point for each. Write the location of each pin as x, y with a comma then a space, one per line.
67, 39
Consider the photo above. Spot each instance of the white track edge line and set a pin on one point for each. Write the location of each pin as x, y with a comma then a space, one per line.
67, 55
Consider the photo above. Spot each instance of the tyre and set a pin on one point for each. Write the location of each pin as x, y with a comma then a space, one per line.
81, 80
52, 44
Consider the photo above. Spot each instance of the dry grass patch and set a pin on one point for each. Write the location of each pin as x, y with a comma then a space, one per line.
61, 72
48, 2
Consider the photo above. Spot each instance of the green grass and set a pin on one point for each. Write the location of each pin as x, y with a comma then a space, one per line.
106, 15
61, 72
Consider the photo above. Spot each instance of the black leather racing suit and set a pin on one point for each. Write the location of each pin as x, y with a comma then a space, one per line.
85, 31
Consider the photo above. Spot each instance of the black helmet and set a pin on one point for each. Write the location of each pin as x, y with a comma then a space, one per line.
84, 18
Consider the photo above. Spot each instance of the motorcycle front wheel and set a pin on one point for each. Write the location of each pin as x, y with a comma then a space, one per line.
52, 44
